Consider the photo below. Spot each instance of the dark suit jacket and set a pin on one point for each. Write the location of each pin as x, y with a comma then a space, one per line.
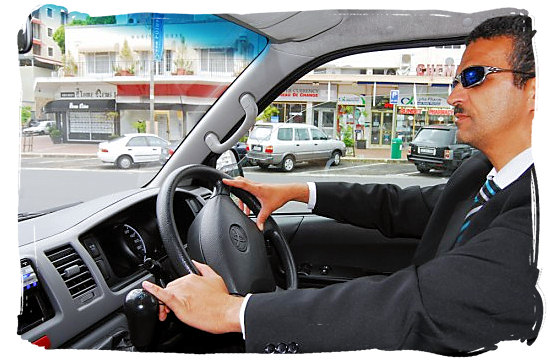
453, 298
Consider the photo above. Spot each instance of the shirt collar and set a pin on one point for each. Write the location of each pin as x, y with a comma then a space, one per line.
512, 170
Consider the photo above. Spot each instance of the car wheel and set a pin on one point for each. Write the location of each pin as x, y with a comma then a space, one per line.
124, 162
288, 163
423, 169
263, 166
336, 158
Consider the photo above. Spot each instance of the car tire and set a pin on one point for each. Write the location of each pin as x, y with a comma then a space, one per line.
263, 166
423, 169
336, 158
124, 162
288, 163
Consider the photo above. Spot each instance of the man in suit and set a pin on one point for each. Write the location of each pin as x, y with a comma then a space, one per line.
472, 280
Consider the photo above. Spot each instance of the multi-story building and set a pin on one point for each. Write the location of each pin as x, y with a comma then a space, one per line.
45, 56
103, 87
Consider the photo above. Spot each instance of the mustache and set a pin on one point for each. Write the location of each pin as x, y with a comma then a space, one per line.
458, 109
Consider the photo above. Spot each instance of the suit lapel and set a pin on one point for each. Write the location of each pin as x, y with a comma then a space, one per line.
451, 208
453, 226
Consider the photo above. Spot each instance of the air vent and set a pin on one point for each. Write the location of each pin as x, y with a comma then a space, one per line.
72, 269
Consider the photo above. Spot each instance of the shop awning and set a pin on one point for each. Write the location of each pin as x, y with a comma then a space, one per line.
79, 105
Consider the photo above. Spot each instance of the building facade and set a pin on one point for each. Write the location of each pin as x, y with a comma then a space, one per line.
112, 81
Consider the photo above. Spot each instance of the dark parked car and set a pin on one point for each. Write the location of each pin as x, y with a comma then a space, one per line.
436, 147
241, 150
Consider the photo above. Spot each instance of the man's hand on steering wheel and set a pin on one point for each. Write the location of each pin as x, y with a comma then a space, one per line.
202, 302
270, 196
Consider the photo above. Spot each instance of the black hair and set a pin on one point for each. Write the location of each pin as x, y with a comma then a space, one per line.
518, 28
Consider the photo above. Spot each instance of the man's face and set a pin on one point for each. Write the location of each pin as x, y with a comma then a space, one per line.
492, 111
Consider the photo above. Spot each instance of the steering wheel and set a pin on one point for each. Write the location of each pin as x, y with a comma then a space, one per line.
222, 236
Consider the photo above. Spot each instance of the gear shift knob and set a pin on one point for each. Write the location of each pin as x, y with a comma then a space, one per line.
141, 309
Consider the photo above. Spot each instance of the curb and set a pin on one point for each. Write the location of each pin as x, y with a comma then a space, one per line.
53, 155
374, 160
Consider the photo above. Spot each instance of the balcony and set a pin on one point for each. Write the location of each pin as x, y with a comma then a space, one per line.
230, 68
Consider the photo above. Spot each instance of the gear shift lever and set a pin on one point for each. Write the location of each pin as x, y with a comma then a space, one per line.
141, 309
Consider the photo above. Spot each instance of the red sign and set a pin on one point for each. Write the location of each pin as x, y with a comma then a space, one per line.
410, 111
446, 112
196, 90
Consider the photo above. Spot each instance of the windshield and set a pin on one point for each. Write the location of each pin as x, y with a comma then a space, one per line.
434, 136
99, 78
261, 133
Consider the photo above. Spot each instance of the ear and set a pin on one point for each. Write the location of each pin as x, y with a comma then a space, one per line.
530, 92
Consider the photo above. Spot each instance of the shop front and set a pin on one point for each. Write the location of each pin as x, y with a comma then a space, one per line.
84, 120
428, 107
381, 129
308, 103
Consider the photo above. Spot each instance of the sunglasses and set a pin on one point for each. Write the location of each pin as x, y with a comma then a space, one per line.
476, 75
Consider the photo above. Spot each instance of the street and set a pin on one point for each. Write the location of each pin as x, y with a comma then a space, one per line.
47, 182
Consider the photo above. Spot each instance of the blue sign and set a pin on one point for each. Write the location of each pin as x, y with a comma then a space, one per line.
157, 32
394, 96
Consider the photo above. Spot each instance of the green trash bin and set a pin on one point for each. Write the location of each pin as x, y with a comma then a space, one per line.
396, 145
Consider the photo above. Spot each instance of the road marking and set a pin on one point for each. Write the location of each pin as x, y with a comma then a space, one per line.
409, 173
133, 171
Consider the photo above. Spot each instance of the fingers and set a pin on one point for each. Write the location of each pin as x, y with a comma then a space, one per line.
156, 291
239, 182
262, 217
204, 269
160, 294
163, 312
243, 207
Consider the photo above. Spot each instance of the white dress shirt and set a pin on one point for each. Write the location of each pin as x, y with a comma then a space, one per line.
507, 175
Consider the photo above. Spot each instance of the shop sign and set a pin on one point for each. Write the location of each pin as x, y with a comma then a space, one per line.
435, 70
80, 106
423, 101
446, 112
157, 31
351, 99
410, 111
90, 93
394, 97
308, 93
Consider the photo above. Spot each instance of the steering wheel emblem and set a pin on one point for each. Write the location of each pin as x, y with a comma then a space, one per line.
238, 238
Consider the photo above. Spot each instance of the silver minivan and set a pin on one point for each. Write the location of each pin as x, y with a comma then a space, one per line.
285, 144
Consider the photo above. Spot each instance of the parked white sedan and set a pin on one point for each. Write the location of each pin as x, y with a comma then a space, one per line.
42, 128
130, 149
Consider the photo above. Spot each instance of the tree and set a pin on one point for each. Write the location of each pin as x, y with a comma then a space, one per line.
25, 114
100, 20
59, 38
268, 113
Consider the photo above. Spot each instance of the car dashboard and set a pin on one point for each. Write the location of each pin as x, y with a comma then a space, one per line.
78, 264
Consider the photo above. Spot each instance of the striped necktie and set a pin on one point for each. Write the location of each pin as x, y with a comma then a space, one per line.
487, 191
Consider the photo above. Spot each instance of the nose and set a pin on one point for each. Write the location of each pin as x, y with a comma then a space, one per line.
457, 95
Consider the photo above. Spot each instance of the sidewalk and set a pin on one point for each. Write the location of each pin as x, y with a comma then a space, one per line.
42, 146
